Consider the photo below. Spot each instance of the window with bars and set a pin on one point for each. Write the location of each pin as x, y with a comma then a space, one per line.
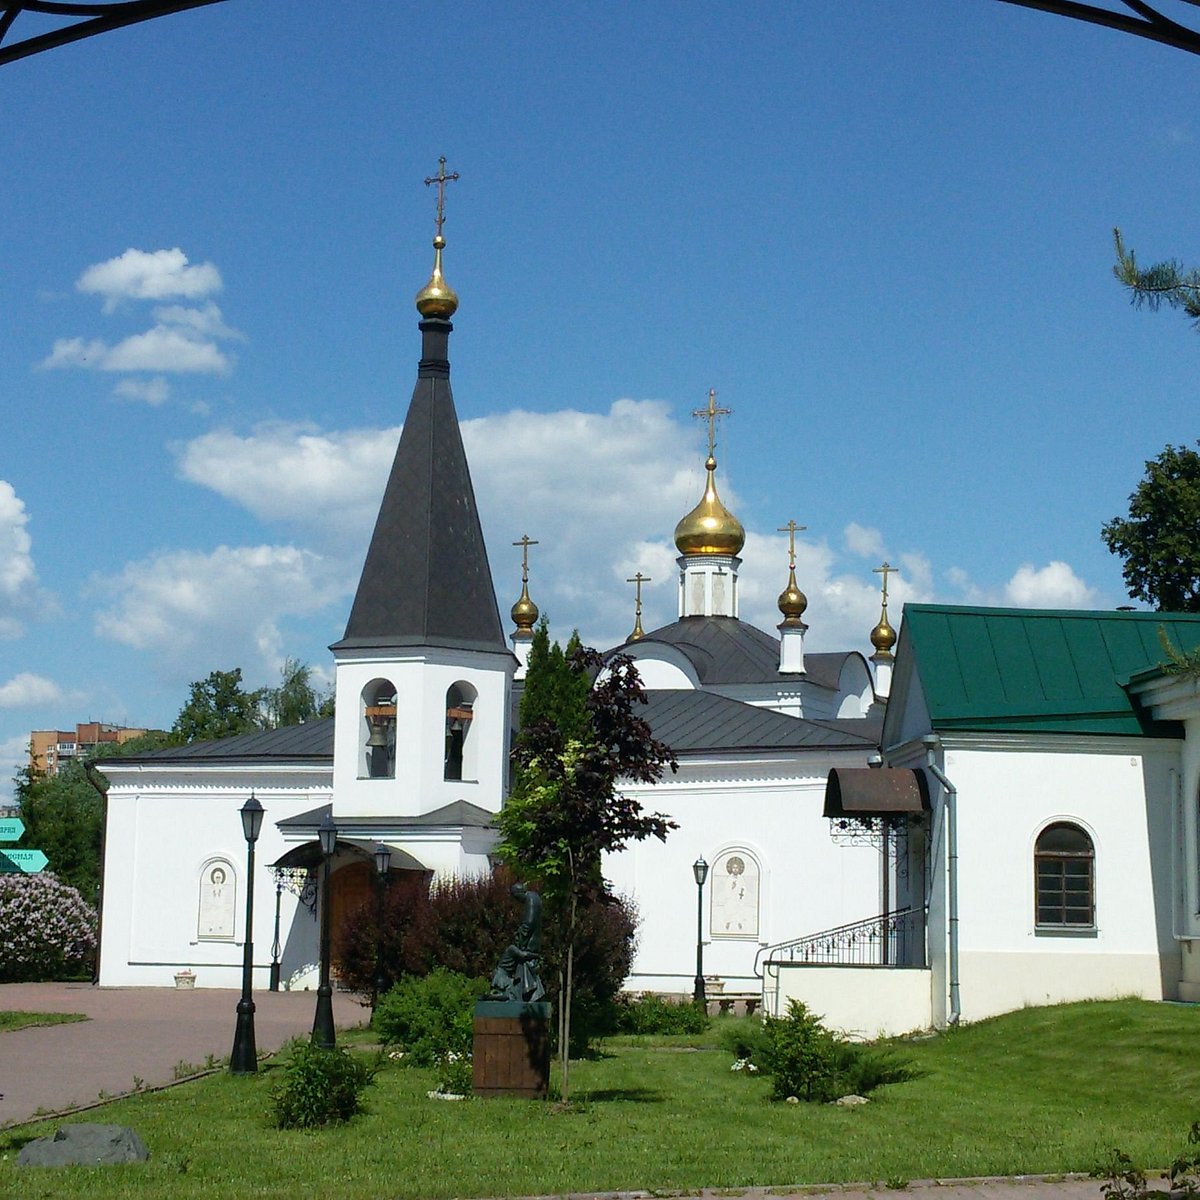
1065, 878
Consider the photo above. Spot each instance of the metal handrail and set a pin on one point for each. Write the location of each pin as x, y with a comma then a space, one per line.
889, 939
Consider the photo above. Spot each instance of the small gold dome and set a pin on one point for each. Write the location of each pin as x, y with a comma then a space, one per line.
525, 612
792, 601
710, 528
437, 298
883, 636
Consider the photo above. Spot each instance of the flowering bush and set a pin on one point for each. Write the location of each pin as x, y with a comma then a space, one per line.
47, 930
454, 1073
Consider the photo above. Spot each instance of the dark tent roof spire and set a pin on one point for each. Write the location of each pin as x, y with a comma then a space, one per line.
426, 580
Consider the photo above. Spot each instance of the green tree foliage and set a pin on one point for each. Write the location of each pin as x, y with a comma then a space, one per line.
1160, 539
553, 692
295, 700
463, 925
567, 808
64, 818
218, 707
1166, 283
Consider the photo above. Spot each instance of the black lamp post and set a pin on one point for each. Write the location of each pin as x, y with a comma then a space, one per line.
322, 1032
383, 863
275, 965
244, 1059
700, 871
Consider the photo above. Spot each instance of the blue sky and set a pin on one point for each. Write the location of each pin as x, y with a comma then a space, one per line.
880, 230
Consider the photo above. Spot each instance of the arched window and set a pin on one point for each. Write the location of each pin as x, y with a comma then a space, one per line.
460, 712
379, 730
1065, 874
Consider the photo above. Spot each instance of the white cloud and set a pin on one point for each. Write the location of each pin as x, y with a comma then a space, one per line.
27, 690
153, 275
864, 541
202, 322
184, 338
1053, 586
601, 493
161, 348
153, 391
21, 596
328, 484
196, 610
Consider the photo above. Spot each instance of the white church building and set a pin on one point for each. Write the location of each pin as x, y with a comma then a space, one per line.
1017, 823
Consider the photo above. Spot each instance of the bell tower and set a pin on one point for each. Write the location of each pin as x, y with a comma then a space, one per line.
423, 673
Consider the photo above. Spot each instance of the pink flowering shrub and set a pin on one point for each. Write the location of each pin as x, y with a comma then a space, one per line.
47, 929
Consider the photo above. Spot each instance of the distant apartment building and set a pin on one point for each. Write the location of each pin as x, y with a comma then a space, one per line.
50, 748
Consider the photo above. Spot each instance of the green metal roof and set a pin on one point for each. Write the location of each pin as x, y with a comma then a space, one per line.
1039, 670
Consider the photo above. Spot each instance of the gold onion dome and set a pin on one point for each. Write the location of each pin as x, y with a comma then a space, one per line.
437, 298
883, 636
525, 612
792, 601
710, 528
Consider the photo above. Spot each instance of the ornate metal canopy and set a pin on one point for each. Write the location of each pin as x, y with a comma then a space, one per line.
72, 22
1146, 21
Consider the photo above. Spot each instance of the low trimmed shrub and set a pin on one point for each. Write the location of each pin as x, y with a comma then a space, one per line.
464, 924
653, 1014
318, 1087
428, 1016
47, 929
810, 1062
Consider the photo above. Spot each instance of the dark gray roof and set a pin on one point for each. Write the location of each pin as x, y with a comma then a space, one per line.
426, 579
694, 722
460, 813
311, 742
726, 650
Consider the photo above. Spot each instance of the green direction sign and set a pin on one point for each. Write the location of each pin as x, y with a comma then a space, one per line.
11, 829
29, 861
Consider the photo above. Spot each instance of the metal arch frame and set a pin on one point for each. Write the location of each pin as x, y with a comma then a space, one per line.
88, 19
1148, 22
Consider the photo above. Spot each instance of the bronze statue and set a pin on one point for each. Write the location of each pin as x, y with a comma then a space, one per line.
516, 976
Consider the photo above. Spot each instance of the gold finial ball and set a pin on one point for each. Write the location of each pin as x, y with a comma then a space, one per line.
437, 298
792, 601
525, 613
883, 636
710, 528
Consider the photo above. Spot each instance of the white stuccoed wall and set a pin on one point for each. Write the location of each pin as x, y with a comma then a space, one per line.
162, 830
1120, 792
770, 807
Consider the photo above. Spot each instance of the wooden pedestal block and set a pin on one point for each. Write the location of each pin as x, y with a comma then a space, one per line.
512, 1049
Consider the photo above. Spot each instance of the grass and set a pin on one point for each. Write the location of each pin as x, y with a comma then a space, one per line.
1037, 1091
23, 1020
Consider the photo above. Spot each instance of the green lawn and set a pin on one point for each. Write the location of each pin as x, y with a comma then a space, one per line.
1042, 1090
23, 1020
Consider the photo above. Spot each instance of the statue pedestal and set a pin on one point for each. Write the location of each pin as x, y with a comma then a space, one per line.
512, 1049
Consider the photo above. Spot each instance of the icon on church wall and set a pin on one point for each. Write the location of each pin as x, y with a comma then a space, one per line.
218, 887
735, 896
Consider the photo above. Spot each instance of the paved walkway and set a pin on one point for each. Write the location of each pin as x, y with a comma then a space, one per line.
133, 1033
1025, 1187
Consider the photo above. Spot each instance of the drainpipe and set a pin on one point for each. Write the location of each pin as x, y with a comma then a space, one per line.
932, 746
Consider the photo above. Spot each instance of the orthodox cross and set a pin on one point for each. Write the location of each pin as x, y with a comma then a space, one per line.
639, 579
886, 570
638, 632
791, 529
525, 542
441, 179
710, 414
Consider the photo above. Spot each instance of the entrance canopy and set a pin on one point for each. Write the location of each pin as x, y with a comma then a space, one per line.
875, 792
308, 855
